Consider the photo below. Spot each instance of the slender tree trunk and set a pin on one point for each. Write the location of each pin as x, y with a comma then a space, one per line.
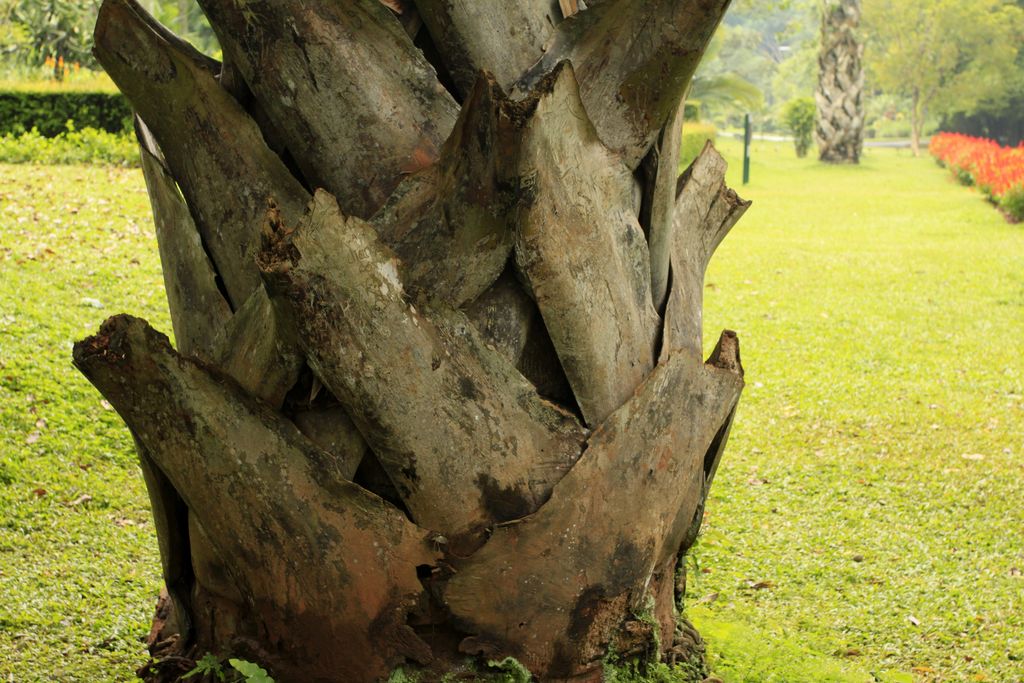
839, 96
917, 115
438, 396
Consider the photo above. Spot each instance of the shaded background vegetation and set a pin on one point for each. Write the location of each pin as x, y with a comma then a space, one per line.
763, 57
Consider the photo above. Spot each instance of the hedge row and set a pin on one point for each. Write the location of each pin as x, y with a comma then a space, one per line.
695, 134
48, 112
995, 170
86, 146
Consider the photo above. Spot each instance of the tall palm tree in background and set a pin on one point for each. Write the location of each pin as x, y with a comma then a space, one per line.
438, 396
840, 124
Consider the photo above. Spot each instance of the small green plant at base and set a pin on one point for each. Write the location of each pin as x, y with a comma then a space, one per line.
658, 672
210, 666
798, 118
248, 672
400, 675
253, 673
513, 670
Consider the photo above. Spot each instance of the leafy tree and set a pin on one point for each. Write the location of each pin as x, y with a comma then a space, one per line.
797, 75
57, 30
721, 92
439, 388
999, 118
946, 56
758, 40
798, 117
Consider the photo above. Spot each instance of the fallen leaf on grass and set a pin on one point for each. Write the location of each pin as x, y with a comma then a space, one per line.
106, 405
33, 437
707, 599
39, 492
972, 456
84, 498
760, 585
914, 620
123, 522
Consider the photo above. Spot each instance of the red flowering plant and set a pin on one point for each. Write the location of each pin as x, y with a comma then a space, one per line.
995, 170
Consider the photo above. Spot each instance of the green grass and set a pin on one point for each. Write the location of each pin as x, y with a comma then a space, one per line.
41, 81
78, 581
880, 310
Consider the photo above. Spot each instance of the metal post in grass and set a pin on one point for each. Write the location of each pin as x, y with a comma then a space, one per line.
746, 148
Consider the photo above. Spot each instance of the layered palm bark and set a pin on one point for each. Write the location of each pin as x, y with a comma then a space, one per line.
840, 122
438, 396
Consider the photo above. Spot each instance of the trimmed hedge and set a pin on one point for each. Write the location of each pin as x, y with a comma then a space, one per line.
86, 146
48, 112
695, 134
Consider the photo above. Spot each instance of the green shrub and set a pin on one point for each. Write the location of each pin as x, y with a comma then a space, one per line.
48, 111
1012, 203
964, 177
798, 118
86, 146
695, 134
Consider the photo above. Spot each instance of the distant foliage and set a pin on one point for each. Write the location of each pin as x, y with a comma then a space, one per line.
57, 33
86, 146
769, 46
48, 112
967, 60
798, 118
695, 134
995, 170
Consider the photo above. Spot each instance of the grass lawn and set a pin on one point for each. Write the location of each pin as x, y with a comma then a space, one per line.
865, 524
79, 568
867, 515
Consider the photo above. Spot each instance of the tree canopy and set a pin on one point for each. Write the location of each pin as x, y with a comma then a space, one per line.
34, 31
945, 56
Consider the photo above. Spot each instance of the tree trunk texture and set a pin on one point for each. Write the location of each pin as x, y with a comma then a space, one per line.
840, 122
438, 396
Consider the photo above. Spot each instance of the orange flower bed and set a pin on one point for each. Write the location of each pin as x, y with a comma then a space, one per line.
995, 170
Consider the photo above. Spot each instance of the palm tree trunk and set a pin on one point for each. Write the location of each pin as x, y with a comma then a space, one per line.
840, 122
424, 405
